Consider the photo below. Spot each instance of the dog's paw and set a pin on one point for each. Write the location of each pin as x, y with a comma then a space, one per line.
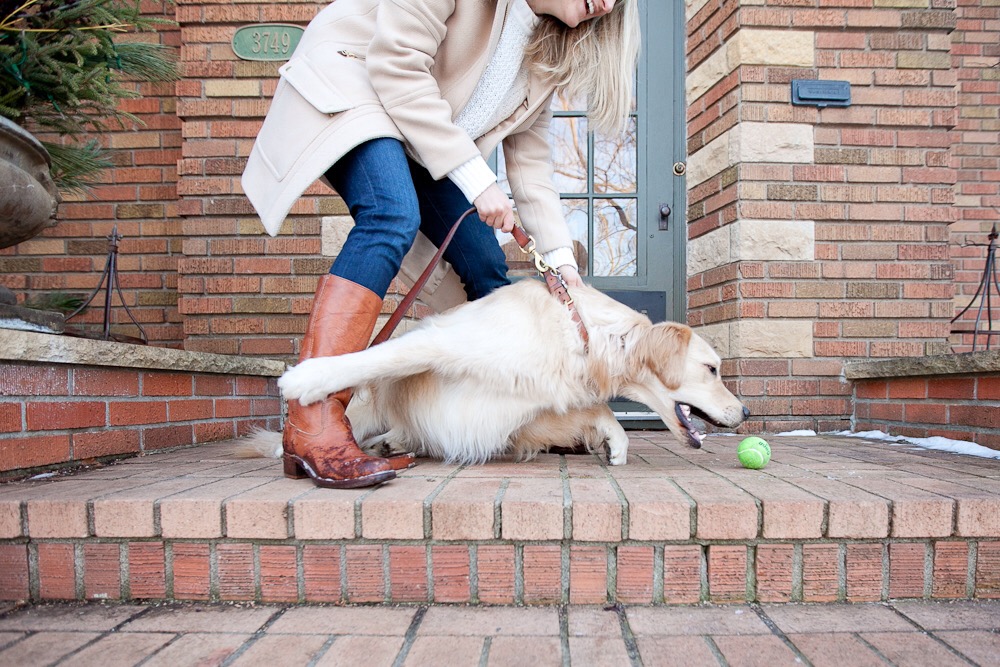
303, 383
617, 449
385, 445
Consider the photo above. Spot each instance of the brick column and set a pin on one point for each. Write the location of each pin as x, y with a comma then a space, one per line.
976, 58
818, 235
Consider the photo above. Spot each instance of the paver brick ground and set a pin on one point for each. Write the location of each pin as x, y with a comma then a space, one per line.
906, 633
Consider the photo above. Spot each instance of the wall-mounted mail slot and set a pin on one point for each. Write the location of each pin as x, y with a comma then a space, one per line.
810, 92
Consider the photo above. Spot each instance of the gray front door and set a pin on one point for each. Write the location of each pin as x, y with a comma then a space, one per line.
624, 197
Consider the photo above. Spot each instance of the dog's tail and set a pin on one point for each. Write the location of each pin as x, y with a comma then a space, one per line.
259, 444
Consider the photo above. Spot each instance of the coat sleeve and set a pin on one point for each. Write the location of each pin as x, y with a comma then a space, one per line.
401, 56
528, 157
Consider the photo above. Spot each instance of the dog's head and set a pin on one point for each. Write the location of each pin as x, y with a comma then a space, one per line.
675, 372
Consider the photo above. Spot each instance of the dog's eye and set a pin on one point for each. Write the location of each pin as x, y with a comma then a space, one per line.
713, 370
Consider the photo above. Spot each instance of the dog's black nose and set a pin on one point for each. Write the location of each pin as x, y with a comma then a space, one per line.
746, 413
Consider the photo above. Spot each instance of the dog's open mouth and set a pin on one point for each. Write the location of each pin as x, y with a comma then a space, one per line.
684, 413
694, 436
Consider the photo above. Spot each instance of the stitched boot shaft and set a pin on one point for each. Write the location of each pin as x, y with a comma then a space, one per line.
317, 439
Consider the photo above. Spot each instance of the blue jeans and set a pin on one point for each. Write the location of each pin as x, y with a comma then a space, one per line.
390, 198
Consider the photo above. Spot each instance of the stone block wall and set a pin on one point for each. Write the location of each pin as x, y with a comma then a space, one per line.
818, 235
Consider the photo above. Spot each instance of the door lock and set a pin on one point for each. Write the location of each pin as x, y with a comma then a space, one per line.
664, 217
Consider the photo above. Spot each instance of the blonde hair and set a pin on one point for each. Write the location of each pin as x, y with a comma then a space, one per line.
595, 61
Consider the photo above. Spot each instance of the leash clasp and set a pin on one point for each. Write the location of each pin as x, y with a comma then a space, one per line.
529, 249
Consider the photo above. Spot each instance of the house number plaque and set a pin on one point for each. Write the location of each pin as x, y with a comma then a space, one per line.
266, 41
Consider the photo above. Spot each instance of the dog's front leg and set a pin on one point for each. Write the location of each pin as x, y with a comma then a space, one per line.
615, 437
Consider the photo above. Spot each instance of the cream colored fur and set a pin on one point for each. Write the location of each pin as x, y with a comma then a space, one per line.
508, 374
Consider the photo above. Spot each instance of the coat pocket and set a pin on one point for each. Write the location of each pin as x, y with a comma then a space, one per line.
331, 76
291, 126
316, 88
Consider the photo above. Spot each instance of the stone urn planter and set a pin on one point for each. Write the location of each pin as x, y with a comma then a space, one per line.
28, 197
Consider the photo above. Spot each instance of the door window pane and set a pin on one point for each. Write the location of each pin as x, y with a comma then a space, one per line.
577, 212
615, 162
568, 136
615, 237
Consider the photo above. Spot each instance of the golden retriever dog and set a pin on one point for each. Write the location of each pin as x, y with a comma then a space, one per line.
509, 374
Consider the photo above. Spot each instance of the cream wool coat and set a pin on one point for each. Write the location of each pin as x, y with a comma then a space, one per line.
401, 68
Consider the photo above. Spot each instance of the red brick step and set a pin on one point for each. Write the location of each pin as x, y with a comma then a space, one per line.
830, 518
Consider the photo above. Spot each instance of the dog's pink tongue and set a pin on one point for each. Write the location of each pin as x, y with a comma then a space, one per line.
684, 412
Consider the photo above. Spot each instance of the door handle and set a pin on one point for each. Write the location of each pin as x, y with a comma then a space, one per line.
664, 217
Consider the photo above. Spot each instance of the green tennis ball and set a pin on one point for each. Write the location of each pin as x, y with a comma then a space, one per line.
754, 452
753, 441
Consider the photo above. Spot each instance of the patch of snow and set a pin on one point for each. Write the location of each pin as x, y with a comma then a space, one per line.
935, 442
803, 432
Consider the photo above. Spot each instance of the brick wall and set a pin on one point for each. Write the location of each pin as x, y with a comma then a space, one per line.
57, 415
241, 291
960, 408
818, 235
815, 236
505, 574
976, 58
67, 401
953, 396
139, 195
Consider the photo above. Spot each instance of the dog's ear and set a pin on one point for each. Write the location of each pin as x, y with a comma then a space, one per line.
662, 348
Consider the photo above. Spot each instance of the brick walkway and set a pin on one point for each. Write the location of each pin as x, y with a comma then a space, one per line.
941, 634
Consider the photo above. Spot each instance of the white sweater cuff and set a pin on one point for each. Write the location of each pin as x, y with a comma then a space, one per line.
473, 177
559, 257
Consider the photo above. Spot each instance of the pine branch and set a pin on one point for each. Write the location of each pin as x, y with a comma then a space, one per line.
62, 71
74, 166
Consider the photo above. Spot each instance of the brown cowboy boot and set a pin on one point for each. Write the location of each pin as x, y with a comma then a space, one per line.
317, 439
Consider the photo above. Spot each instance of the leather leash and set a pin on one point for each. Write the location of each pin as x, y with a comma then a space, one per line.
553, 279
